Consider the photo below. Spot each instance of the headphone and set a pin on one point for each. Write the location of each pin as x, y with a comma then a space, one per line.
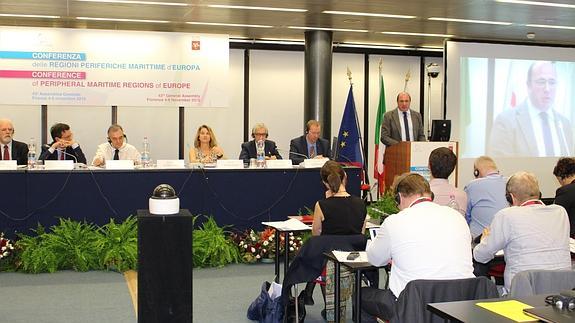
397, 197
110, 141
254, 132
561, 302
476, 172
508, 196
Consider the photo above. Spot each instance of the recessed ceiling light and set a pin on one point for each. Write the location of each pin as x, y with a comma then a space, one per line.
139, 2
227, 25
255, 8
415, 34
551, 26
367, 14
28, 16
489, 22
538, 3
124, 20
329, 29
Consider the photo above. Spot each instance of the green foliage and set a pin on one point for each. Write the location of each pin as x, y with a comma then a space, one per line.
211, 247
383, 207
118, 245
306, 211
36, 256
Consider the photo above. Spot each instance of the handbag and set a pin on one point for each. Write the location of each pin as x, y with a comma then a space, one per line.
289, 316
264, 309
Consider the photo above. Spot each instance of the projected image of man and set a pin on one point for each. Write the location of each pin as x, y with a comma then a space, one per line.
534, 127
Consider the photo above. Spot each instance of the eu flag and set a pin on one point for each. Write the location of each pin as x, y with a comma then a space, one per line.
349, 149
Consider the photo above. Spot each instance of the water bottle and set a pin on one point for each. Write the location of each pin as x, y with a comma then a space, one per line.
261, 155
31, 153
145, 153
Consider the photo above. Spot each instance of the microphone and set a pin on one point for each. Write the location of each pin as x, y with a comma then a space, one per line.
62, 151
292, 153
562, 134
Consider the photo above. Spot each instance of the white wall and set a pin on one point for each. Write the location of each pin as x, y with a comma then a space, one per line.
26, 121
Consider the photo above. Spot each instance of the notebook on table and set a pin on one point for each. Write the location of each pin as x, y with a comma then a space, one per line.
551, 314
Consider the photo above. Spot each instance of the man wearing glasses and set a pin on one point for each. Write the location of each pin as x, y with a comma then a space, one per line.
534, 127
259, 134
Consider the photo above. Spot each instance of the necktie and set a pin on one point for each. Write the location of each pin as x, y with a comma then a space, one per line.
117, 154
406, 125
62, 155
311, 151
6, 155
547, 139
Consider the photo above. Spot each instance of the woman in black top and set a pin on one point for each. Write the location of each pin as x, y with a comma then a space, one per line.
565, 195
338, 214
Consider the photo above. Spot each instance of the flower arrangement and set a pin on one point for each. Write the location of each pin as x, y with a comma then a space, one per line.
5, 247
256, 246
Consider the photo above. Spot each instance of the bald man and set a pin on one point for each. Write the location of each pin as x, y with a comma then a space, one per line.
402, 124
11, 149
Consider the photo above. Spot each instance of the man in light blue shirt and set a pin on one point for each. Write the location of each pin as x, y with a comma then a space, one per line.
485, 195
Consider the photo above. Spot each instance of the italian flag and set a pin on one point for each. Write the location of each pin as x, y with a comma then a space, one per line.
379, 167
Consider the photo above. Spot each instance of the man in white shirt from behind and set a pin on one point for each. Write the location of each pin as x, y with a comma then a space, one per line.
424, 241
116, 145
532, 235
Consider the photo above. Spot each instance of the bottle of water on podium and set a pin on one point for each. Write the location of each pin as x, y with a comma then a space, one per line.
261, 155
31, 153
145, 153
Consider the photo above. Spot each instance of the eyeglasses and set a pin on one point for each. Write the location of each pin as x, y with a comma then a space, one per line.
260, 134
542, 82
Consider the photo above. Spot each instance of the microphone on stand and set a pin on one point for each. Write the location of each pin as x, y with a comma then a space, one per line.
292, 153
65, 153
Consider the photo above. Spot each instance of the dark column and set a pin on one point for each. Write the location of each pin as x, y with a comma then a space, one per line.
317, 79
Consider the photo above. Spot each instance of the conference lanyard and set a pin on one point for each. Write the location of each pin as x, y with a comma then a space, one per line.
420, 200
531, 202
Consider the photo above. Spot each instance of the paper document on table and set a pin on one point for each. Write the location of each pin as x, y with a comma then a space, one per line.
288, 225
341, 256
510, 309
572, 245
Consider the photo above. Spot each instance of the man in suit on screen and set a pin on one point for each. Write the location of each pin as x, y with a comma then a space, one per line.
11, 149
533, 128
310, 144
402, 124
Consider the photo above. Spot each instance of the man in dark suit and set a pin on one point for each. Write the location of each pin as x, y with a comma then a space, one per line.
309, 145
533, 128
402, 124
11, 149
63, 141
259, 133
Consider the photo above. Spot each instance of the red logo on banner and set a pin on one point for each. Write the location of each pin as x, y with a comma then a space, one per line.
195, 45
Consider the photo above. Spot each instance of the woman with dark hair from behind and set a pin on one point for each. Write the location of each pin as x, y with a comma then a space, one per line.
565, 195
338, 214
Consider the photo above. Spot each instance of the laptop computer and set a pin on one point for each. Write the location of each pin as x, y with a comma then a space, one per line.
551, 314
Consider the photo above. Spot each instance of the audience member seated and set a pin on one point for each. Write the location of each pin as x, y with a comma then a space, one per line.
206, 149
249, 150
442, 162
565, 195
11, 149
531, 234
423, 241
63, 146
338, 214
485, 195
309, 145
116, 148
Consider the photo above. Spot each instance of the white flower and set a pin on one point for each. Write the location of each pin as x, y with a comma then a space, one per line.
258, 256
253, 249
271, 238
264, 250
266, 243
291, 249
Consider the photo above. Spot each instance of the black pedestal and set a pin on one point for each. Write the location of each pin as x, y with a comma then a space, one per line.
164, 267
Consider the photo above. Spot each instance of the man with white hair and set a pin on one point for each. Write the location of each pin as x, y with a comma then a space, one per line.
532, 235
259, 134
11, 149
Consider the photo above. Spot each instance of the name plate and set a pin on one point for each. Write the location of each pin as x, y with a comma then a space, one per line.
119, 164
170, 164
8, 165
59, 164
279, 163
230, 164
314, 162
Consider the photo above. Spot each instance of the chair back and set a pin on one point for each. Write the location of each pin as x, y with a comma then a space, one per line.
412, 303
533, 282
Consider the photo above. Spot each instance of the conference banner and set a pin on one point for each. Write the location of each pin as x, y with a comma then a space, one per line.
81, 67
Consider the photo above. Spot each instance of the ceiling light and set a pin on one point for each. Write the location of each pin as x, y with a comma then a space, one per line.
415, 34
28, 16
367, 14
124, 20
538, 3
139, 2
551, 26
227, 25
471, 21
255, 8
329, 29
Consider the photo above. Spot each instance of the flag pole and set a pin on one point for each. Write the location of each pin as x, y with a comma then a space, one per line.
360, 138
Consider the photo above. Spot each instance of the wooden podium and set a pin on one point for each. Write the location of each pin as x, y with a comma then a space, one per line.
413, 156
